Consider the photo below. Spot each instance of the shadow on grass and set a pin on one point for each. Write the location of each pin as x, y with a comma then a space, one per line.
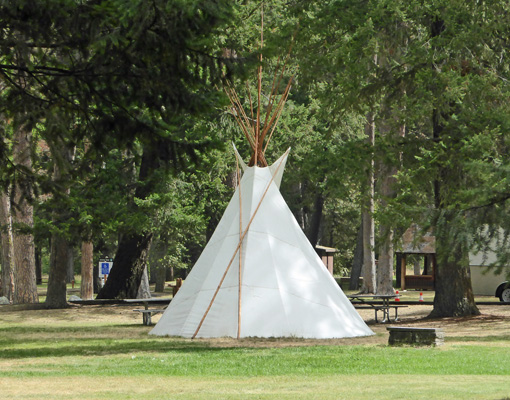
479, 339
58, 342
105, 349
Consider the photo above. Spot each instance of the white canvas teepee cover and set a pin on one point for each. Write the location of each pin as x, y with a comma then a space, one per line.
285, 292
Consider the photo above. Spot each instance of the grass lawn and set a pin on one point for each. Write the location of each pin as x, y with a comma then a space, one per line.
95, 352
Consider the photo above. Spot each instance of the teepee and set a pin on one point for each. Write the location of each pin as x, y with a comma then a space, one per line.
258, 275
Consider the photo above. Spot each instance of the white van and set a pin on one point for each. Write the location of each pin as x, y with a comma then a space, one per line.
485, 281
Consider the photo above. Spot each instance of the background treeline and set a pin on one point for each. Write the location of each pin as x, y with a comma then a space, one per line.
116, 133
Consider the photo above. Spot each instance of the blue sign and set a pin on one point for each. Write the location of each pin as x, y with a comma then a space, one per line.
105, 268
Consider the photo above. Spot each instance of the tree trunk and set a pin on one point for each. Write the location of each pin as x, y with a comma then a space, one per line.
133, 250
96, 280
57, 289
144, 291
368, 270
315, 220
61, 251
87, 267
160, 279
70, 265
454, 294
385, 264
38, 265
169, 273
417, 268
7, 247
453, 291
357, 262
386, 250
124, 281
23, 222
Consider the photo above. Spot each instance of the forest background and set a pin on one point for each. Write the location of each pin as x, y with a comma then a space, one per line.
116, 133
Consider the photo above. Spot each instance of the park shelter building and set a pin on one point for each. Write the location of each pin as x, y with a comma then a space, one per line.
420, 248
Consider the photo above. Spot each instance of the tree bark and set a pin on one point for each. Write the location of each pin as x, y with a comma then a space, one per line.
131, 256
70, 265
57, 289
453, 291
38, 265
169, 273
144, 291
23, 222
357, 261
385, 264
386, 250
7, 247
160, 278
454, 294
87, 267
368, 270
133, 250
315, 220
61, 251
417, 268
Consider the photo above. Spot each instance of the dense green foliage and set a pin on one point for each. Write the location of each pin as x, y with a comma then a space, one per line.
108, 84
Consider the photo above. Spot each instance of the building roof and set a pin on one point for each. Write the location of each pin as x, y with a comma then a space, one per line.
413, 241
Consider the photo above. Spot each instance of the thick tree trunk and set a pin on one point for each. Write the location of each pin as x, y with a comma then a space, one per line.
133, 250
87, 267
7, 247
368, 270
23, 222
453, 291
57, 289
124, 281
454, 294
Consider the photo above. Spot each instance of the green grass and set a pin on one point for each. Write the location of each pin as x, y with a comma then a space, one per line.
173, 357
105, 353
136, 358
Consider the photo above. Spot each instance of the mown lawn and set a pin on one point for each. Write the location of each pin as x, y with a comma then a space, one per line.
105, 353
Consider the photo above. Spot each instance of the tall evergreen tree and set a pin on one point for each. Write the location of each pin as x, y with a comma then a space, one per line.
112, 72
450, 85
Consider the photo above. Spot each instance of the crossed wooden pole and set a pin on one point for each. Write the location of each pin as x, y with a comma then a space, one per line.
238, 250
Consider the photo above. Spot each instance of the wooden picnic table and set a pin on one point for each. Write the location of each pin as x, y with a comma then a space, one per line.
377, 302
147, 312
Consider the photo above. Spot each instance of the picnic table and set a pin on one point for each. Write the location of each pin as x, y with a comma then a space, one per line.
377, 302
147, 312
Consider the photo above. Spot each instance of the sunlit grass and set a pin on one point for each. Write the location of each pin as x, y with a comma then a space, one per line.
76, 350
99, 352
